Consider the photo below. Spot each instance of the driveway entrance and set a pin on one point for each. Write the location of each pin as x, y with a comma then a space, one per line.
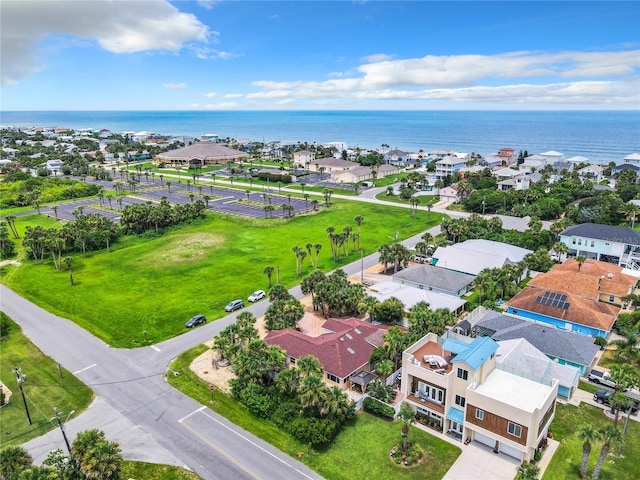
478, 461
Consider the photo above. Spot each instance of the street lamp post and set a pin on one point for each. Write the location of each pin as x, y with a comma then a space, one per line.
361, 265
21, 379
62, 425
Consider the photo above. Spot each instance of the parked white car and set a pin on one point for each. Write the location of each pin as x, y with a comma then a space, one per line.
257, 295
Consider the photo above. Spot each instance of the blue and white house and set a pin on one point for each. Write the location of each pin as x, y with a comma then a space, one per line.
608, 243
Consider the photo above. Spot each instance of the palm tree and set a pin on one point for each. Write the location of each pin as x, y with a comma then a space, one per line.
12, 460
384, 367
309, 365
358, 219
103, 461
313, 392
589, 435
561, 249
580, 259
408, 418
68, 261
610, 435
268, 271
630, 212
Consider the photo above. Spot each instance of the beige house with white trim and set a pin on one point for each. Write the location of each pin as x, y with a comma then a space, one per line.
456, 387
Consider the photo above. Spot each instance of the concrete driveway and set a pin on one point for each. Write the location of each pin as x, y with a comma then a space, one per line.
478, 462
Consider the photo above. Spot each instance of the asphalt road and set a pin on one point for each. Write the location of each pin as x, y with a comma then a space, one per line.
131, 383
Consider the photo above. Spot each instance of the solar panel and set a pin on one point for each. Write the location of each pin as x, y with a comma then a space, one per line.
553, 299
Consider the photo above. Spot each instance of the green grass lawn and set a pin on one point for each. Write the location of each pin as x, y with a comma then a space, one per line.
45, 388
361, 450
588, 386
566, 462
155, 285
153, 471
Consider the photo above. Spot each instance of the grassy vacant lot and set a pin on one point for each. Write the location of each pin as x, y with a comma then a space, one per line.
156, 284
566, 462
44, 389
361, 450
152, 471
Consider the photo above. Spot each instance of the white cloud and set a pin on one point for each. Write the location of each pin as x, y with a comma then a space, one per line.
206, 53
377, 57
118, 27
208, 4
174, 86
219, 95
515, 77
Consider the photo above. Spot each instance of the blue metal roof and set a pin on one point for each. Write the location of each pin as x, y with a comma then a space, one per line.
478, 352
455, 346
455, 414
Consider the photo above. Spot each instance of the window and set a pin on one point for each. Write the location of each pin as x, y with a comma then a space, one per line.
463, 374
460, 400
573, 240
333, 378
514, 429
612, 298
593, 243
579, 241
479, 414
427, 392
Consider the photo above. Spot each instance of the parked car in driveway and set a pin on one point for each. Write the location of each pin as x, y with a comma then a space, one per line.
195, 321
602, 396
257, 295
234, 305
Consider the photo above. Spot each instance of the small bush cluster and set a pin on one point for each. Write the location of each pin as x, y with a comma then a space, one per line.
378, 408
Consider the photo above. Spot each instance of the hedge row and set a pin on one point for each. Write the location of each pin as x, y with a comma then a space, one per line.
378, 408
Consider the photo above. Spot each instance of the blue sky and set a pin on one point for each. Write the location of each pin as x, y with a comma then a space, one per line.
240, 55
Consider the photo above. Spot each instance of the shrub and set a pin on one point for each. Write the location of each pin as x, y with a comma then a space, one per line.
378, 408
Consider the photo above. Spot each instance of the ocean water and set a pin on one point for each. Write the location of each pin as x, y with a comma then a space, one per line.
600, 136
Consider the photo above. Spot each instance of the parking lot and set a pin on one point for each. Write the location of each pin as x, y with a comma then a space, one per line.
221, 199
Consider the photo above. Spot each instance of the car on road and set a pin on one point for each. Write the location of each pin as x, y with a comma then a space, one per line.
195, 321
257, 295
234, 305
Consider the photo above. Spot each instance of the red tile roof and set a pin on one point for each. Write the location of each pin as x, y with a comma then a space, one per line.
343, 351
583, 311
612, 280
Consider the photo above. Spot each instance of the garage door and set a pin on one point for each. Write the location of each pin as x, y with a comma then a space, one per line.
484, 439
512, 452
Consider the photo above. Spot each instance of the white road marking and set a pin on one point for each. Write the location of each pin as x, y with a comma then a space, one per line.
253, 443
219, 450
155, 348
85, 368
192, 413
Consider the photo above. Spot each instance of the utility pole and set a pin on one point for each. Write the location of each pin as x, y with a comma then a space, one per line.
21, 379
64, 434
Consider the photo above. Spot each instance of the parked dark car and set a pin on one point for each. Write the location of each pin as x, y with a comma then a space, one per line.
234, 305
602, 396
195, 321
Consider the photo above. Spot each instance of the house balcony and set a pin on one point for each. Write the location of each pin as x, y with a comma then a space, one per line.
426, 402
